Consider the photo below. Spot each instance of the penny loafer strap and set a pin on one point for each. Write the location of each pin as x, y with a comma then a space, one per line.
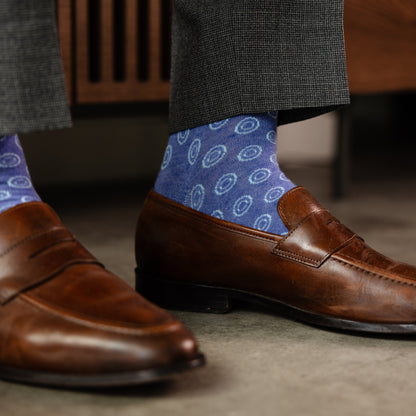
314, 239
38, 258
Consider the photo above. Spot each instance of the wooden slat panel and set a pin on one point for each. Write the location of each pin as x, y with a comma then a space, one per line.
64, 10
154, 40
131, 40
81, 46
106, 90
380, 42
107, 28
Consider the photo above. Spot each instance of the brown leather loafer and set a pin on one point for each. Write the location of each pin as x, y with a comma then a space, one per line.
66, 321
320, 272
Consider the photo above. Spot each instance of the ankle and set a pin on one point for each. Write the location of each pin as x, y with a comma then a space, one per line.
15, 184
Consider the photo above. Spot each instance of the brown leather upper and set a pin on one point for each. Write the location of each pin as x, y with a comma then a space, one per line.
62, 312
319, 266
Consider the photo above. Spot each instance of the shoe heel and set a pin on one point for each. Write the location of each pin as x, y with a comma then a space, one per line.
182, 296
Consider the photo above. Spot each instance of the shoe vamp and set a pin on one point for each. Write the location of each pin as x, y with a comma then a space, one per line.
94, 293
34, 338
362, 255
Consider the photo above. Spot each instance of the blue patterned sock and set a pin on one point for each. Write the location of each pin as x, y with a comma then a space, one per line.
15, 184
229, 170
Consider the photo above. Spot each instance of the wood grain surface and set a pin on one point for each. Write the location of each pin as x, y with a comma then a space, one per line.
380, 38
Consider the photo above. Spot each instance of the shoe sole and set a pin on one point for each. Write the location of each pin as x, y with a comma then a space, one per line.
93, 381
212, 299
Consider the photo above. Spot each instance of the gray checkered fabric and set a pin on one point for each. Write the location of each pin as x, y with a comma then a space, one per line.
249, 56
32, 90
228, 58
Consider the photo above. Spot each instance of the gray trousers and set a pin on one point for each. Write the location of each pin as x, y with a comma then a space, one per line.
32, 90
228, 58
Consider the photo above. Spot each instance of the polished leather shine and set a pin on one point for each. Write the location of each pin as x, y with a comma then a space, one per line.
320, 272
65, 320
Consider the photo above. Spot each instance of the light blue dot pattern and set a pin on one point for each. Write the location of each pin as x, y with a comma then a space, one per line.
283, 177
197, 196
15, 184
274, 194
20, 182
214, 156
4, 195
194, 151
27, 198
259, 176
250, 152
242, 205
217, 214
228, 169
167, 157
9, 160
182, 136
247, 125
17, 142
218, 124
271, 136
263, 222
225, 183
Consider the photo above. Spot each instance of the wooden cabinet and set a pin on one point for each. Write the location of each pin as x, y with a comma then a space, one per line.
118, 50
115, 50
380, 38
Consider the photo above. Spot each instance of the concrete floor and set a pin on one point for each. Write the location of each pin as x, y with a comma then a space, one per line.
258, 363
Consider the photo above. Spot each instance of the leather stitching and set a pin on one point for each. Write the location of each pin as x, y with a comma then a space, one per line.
31, 237
55, 243
286, 195
282, 216
282, 202
378, 270
307, 260
297, 226
16, 290
380, 276
316, 263
294, 256
168, 326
